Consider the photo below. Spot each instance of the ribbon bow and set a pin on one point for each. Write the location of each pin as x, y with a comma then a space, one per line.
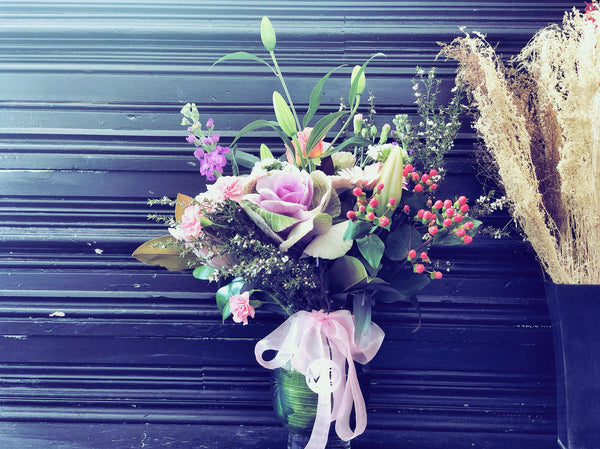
319, 345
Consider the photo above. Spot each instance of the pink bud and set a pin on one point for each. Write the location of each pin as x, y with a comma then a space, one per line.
419, 268
412, 254
384, 221
370, 216
418, 188
357, 191
460, 232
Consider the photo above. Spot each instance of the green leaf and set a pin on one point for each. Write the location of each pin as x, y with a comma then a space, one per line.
355, 141
357, 229
357, 80
371, 247
400, 241
361, 309
284, 115
346, 273
203, 272
246, 159
331, 244
315, 98
257, 124
321, 128
225, 292
409, 284
242, 55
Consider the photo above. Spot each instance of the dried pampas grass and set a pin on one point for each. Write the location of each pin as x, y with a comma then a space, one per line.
538, 117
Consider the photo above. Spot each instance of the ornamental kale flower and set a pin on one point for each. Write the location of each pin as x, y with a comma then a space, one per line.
284, 193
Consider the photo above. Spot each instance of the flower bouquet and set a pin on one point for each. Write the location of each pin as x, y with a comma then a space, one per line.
538, 116
340, 221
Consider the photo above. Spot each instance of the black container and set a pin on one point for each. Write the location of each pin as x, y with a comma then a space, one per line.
575, 317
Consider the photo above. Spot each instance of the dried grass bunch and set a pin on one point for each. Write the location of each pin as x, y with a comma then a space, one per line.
538, 117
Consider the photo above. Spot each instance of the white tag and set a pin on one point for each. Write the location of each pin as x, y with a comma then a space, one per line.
323, 376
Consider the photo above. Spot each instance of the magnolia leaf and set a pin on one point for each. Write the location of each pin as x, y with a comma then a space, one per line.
241, 55
371, 247
225, 292
160, 251
315, 98
331, 244
321, 128
203, 272
400, 241
182, 202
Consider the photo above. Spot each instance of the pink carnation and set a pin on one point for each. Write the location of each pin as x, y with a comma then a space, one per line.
190, 223
240, 307
226, 187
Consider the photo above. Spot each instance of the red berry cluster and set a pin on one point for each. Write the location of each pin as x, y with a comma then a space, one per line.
366, 207
420, 182
449, 216
419, 267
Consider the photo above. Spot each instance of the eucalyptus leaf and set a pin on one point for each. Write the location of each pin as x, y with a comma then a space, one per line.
361, 309
203, 272
400, 241
345, 273
357, 229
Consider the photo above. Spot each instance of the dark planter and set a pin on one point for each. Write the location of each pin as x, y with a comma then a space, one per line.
575, 317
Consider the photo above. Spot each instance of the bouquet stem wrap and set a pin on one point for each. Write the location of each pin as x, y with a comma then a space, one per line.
320, 345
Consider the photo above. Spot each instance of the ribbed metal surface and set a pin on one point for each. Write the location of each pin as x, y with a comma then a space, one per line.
89, 128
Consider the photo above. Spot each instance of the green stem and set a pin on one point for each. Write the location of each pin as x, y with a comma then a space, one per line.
285, 89
350, 117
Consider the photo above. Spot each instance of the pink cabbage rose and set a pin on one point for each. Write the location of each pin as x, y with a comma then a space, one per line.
226, 187
240, 307
284, 193
303, 137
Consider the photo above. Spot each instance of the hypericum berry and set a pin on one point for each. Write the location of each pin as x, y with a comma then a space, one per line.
370, 216
447, 204
437, 275
405, 172
380, 186
467, 239
458, 218
351, 215
428, 182
462, 200
420, 213
418, 188
362, 208
433, 230
464, 208
357, 191
468, 225
425, 177
384, 221
460, 232
415, 176
406, 208
424, 256
450, 212
374, 202
412, 254
419, 268
433, 172
447, 222
427, 215
392, 201
438, 204
409, 167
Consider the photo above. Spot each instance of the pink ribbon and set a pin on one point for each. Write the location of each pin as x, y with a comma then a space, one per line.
308, 341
